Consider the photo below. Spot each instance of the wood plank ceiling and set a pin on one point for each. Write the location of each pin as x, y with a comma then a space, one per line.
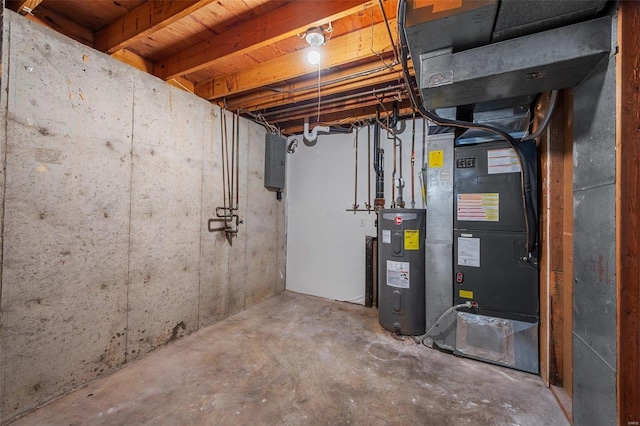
249, 55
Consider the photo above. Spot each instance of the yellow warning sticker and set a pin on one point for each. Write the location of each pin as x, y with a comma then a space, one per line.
411, 239
466, 294
436, 159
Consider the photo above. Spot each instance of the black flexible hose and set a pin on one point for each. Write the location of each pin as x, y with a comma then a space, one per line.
521, 149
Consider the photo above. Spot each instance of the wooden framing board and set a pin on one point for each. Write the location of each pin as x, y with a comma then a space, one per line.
59, 23
567, 252
628, 212
23, 7
361, 44
145, 19
551, 268
544, 155
556, 260
276, 25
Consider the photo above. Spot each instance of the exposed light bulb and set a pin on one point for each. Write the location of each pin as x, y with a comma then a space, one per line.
313, 56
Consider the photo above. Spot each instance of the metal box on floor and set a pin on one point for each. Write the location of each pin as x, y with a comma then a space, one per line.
498, 340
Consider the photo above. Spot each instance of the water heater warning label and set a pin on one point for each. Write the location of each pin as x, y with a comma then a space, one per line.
411, 239
398, 274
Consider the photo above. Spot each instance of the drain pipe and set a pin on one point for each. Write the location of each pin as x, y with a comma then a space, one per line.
313, 134
378, 164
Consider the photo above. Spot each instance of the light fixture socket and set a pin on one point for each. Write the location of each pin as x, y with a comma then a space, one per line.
315, 37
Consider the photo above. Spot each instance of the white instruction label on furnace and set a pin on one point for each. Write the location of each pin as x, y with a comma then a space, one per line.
502, 161
386, 236
469, 252
398, 274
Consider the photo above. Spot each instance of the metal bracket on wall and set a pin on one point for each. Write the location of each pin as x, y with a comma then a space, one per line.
226, 215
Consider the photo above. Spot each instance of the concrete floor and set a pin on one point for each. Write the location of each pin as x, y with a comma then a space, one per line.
296, 359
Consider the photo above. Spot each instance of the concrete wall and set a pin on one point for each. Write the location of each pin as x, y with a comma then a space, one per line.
594, 291
111, 176
326, 243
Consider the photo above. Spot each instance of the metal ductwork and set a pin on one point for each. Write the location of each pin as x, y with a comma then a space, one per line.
483, 50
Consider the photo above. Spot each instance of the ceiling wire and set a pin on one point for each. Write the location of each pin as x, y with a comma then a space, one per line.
386, 21
378, 54
319, 93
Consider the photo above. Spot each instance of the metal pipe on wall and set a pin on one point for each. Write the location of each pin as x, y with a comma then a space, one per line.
230, 178
368, 204
413, 162
355, 179
378, 163
314, 87
393, 174
325, 102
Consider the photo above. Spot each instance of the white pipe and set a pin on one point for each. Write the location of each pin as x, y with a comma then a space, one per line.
311, 136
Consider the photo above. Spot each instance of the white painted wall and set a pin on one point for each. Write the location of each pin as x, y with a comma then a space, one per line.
326, 243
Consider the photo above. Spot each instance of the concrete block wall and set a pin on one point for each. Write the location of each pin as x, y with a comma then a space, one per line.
110, 178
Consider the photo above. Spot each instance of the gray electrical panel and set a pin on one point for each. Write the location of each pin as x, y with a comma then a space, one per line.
401, 262
274, 162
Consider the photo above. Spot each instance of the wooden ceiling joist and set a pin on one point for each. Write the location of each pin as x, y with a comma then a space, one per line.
145, 19
353, 78
59, 23
338, 51
283, 22
23, 7
134, 60
182, 83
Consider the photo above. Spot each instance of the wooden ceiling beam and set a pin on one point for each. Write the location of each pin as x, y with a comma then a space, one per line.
23, 7
338, 51
61, 24
279, 24
149, 17
182, 83
136, 61
340, 81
